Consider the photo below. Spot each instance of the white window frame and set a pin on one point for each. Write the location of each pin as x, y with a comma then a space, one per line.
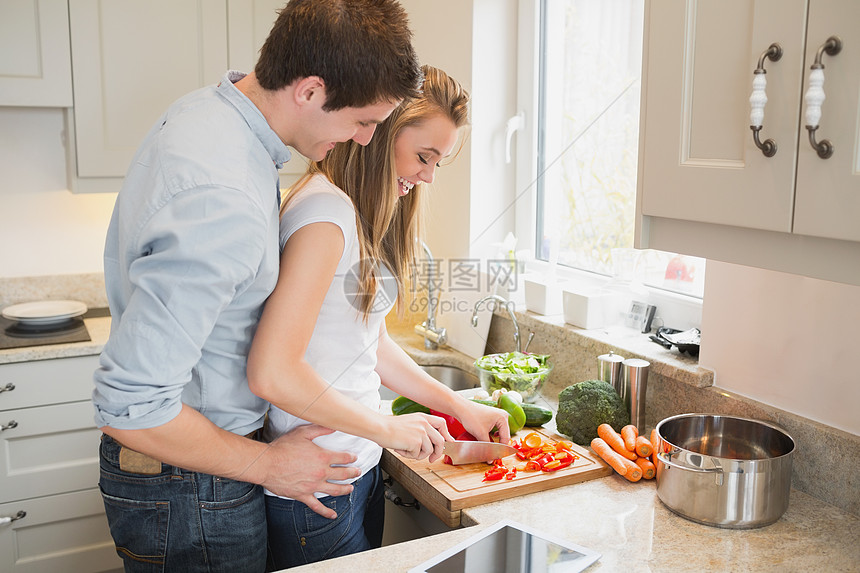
676, 310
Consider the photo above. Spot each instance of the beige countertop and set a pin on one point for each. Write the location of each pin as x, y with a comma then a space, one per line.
99, 328
629, 525
633, 531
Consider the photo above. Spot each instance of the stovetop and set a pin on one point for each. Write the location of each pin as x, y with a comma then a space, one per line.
15, 335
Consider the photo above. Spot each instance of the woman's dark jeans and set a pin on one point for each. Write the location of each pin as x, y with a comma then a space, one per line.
298, 536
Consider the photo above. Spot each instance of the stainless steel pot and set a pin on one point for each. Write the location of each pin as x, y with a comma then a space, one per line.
723, 471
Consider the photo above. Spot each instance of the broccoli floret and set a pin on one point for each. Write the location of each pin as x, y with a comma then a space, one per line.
584, 406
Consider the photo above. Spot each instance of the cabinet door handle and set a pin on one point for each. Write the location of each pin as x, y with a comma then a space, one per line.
815, 95
7, 388
11, 518
9, 426
758, 98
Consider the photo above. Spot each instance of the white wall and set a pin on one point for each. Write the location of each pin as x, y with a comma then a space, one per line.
45, 229
469, 39
785, 340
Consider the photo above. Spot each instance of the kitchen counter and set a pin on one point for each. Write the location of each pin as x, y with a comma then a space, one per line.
98, 328
634, 531
628, 524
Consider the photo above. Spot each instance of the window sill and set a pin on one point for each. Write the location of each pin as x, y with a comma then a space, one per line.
574, 351
674, 310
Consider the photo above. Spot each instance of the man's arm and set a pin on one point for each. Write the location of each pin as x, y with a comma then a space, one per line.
291, 466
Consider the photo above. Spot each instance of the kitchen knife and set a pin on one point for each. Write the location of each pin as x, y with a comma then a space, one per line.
466, 452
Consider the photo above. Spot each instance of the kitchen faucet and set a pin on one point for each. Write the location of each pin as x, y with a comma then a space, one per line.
433, 335
509, 305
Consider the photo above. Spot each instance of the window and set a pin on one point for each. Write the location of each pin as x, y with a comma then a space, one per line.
587, 86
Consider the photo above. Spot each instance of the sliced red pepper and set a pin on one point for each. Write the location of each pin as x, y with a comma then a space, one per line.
495, 473
557, 464
446, 459
532, 466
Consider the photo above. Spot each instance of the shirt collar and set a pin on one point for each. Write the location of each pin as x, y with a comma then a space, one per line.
277, 150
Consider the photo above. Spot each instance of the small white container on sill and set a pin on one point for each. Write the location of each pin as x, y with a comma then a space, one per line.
543, 296
588, 309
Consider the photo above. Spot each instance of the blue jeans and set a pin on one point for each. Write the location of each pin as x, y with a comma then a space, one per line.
298, 536
178, 520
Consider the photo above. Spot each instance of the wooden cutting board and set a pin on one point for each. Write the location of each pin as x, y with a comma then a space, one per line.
446, 490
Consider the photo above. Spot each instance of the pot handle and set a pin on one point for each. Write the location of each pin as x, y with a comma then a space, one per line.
668, 461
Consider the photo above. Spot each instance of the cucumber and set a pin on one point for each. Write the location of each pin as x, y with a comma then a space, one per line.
535, 415
403, 405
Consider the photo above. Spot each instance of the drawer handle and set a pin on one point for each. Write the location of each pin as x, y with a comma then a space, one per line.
7, 388
7, 519
9, 426
815, 95
758, 98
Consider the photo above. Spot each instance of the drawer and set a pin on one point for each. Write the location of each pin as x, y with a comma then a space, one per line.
42, 382
58, 534
51, 449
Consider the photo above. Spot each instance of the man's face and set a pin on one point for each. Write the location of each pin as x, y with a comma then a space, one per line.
323, 129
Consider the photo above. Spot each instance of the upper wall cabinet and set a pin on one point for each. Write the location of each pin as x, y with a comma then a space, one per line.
35, 67
131, 60
709, 185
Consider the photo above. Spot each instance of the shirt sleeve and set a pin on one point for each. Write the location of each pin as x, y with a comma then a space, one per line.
319, 202
193, 255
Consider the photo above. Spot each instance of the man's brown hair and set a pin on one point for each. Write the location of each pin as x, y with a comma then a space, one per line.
362, 49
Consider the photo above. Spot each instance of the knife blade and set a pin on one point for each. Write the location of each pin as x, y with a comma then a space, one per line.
467, 452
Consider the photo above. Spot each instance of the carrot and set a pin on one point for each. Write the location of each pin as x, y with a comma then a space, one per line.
629, 433
648, 469
615, 461
653, 441
608, 434
622, 465
643, 447
634, 472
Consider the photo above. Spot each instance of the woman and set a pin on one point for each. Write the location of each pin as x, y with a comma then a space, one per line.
348, 234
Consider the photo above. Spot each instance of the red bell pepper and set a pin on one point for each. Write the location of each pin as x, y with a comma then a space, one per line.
455, 428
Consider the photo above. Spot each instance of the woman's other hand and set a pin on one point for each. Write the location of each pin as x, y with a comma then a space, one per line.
480, 421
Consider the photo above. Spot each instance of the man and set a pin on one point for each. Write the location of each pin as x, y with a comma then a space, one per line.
190, 257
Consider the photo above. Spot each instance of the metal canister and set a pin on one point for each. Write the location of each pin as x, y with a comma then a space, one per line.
609, 369
634, 389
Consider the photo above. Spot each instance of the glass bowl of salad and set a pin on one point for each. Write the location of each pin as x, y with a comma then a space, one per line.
518, 371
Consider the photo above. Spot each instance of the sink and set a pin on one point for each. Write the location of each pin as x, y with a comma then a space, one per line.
451, 376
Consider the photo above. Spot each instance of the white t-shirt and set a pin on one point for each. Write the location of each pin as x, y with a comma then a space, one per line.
342, 348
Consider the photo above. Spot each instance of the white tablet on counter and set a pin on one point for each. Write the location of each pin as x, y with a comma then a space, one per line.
510, 547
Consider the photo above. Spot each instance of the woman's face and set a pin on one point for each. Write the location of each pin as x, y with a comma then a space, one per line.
418, 150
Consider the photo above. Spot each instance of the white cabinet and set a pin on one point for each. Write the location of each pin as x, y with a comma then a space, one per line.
131, 60
49, 470
35, 67
705, 188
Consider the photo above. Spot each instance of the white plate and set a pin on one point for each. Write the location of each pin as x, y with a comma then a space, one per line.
44, 312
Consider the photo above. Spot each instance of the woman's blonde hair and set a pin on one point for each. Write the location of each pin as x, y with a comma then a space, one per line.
388, 225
